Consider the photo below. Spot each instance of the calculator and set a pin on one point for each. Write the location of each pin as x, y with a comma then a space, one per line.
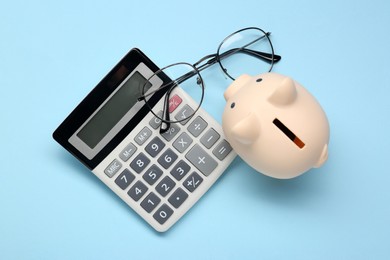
159, 175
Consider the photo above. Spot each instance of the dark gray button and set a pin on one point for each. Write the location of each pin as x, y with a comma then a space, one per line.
163, 214
128, 152
155, 146
155, 122
180, 170
150, 202
171, 133
152, 174
182, 142
178, 197
192, 182
137, 191
201, 160
197, 126
113, 168
139, 163
143, 135
209, 138
185, 112
222, 150
124, 179
165, 186
167, 158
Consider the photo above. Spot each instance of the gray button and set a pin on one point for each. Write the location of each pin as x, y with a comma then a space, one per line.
150, 202
155, 122
165, 186
152, 174
143, 135
197, 126
171, 133
139, 163
124, 179
209, 138
222, 150
163, 214
113, 168
155, 146
178, 197
185, 112
137, 191
128, 152
180, 170
182, 142
167, 158
193, 182
201, 160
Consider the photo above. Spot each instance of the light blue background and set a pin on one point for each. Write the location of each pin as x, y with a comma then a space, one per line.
52, 53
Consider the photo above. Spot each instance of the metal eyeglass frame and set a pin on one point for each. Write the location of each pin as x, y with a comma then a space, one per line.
203, 64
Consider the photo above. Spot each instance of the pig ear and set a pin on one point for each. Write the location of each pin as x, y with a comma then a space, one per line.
236, 85
285, 93
246, 130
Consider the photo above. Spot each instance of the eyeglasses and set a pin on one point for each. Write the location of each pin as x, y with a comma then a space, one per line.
248, 51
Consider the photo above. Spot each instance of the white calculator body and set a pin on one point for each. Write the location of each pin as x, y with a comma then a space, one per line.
160, 176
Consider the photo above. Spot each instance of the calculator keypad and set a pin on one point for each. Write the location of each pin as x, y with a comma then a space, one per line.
162, 173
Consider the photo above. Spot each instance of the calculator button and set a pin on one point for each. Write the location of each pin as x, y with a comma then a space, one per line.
143, 135
222, 150
155, 146
127, 152
167, 158
171, 132
174, 102
165, 186
124, 179
178, 197
137, 191
192, 182
182, 142
209, 138
185, 112
139, 163
163, 214
150, 202
197, 126
113, 168
180, 170
155, 122
152, 174
201, 160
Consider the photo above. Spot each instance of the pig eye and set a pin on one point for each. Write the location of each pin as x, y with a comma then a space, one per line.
233, 105
259, 80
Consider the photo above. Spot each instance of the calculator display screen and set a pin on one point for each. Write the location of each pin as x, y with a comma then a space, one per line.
113, 110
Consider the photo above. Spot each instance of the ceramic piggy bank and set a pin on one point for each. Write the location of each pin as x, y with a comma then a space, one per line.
275, 125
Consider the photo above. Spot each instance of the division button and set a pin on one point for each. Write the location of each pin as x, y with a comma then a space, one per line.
197, 126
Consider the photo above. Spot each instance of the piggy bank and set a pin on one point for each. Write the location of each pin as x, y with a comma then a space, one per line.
275, 125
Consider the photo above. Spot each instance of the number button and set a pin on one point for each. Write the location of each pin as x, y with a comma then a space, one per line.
152, 174
178, 197
165, 186
154, 147
167, 158
150, 202
139, 163
124, 179
137, 191
180, 170
163, 214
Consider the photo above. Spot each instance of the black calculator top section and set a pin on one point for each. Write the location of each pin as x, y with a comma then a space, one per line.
110, 111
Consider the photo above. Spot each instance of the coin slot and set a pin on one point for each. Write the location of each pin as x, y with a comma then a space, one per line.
298, 142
